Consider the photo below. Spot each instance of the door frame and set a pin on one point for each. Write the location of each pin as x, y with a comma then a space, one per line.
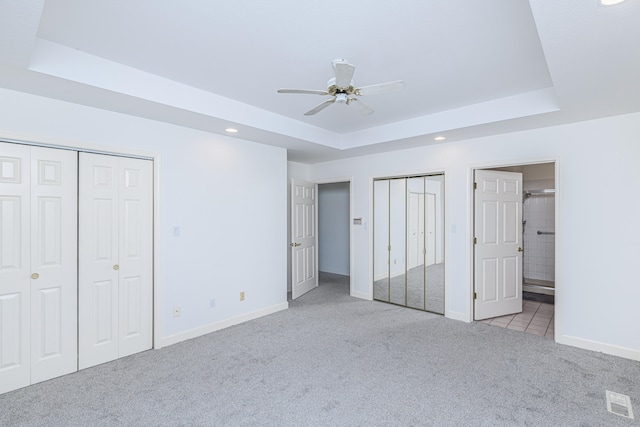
155, 157
558, 298
348, 180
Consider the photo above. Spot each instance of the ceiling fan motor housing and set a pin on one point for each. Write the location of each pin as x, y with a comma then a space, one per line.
332, 84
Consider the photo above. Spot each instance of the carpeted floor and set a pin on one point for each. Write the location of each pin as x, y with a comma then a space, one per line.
334, 360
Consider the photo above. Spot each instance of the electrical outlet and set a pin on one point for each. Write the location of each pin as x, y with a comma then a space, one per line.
241, 296
176, 311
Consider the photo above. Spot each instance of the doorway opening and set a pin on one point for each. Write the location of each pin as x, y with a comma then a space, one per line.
532, 267
334, 235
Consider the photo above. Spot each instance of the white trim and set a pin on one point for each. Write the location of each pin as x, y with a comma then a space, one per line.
558, 293
77, 149
157, 255
455, 315
470, 231
64, 144
614, 350
349, 180
68, 144
361, 295
333, 180
370, 272
444, 194
222, 324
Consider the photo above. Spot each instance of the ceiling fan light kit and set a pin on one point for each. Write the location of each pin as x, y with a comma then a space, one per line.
341, 89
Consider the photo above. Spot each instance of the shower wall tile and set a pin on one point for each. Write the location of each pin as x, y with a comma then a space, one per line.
539, 255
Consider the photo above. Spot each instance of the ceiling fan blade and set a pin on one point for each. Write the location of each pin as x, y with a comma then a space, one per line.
361, 108
380, 88
344, 74
304, 91
320, 107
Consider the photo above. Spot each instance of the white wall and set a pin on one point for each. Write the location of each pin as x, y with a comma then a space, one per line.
597, 290
228, 196
333, 228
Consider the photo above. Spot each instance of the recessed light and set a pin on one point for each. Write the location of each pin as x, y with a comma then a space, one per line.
231, 130
610, 2
440, 138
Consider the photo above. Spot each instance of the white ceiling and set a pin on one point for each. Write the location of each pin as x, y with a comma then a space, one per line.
471, 68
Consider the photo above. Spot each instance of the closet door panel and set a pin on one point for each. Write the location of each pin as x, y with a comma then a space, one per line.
54, 257
381, 240
398, 241
135, 249
98, 257
116, 237
15, 290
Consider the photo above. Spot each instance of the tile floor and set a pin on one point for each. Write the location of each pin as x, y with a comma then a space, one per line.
536, 318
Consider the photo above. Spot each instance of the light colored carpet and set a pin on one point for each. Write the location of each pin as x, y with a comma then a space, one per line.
334, 360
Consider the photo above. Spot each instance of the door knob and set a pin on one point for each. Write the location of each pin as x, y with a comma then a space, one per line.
116, 267
295, 244
35, 276
520, 250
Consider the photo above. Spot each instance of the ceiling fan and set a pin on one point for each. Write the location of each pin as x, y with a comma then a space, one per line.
342, 91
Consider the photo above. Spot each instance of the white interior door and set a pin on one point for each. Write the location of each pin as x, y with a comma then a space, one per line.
115, 273
54, 258
135, 237
38, 264
304, 274
498, 248
15, 292
98, 257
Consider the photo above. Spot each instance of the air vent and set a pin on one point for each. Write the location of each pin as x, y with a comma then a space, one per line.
619, 404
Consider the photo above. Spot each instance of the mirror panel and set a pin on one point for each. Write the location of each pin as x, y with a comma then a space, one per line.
408, 242
416, 243
381, 240
434, 212
397, 241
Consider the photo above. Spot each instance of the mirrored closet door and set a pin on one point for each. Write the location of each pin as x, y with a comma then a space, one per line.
409, 242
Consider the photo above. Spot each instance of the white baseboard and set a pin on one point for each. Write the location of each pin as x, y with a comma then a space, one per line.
457, 316
332, 271
614, 350
222, 324
361, 295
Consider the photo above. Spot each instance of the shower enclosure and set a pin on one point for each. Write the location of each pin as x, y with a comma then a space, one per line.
538, 209
408, 242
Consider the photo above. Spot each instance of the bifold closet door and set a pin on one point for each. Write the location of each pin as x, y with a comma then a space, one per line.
38, 264
115, 271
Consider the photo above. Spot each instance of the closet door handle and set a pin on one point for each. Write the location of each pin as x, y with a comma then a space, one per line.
116, 267
35, 276
520, 250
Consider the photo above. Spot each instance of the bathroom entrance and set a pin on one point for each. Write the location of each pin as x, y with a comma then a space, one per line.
534, 238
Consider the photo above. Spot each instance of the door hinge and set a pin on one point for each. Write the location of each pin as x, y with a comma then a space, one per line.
475, 296
475, 240
475, 185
